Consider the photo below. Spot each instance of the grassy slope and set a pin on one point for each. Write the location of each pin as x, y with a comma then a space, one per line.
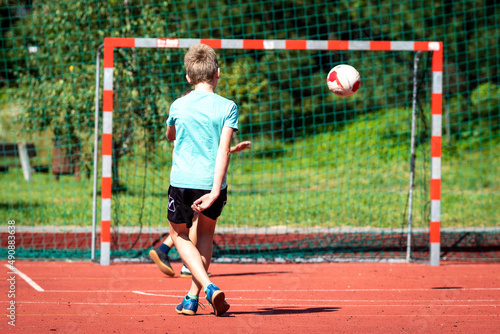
356, 177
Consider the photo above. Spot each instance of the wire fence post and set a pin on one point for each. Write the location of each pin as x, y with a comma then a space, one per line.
96, 149
412, 153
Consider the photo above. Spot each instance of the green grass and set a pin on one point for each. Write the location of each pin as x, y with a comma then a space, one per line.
357, 177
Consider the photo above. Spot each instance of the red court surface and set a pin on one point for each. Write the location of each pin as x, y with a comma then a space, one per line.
83, 297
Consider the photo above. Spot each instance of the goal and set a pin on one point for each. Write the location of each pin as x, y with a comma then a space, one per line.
284, 140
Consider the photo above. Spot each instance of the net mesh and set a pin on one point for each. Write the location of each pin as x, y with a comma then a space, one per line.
326, 177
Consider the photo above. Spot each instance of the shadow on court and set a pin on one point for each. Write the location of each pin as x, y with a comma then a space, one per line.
251, 273
287, 311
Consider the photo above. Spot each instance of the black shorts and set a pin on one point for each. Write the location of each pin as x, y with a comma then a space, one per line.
181, 199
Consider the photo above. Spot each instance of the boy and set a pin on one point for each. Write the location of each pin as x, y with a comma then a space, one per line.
202, 124
160, 254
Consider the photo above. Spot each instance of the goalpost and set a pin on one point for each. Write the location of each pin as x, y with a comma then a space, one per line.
110, 44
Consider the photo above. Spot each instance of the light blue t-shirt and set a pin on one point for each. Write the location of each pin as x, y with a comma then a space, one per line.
198, 118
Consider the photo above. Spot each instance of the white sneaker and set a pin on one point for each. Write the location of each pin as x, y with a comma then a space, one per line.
186, 273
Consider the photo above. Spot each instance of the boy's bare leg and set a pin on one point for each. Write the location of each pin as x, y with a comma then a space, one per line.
205, 230
189, 253
192, 231
168, 241
216, 297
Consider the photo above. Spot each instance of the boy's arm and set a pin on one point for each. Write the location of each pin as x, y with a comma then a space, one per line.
171, 132
221, 164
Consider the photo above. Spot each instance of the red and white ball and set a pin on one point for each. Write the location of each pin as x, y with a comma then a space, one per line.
343, 80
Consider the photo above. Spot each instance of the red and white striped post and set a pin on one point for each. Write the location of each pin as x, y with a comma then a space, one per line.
436, 142
107, 152
260, 44
107, 142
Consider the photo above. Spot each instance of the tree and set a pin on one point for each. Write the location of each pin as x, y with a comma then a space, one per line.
10, 13
58, 83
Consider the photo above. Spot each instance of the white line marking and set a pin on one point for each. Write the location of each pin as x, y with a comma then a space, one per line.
276, 290
257, 305
25, 277
347, 290
156, 294
345, 300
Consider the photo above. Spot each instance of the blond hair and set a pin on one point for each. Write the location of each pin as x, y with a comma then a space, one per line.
201, 63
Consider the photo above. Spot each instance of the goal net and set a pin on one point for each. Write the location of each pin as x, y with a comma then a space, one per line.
327, 177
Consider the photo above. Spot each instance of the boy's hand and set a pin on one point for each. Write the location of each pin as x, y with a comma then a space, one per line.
204, 202
241, 146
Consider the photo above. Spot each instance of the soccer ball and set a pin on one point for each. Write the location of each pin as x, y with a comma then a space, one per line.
343, 80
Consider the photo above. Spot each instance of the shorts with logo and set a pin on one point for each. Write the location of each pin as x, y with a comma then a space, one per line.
181, 199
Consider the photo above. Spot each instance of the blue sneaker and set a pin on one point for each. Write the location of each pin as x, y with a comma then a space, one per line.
187, 306
217, 299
